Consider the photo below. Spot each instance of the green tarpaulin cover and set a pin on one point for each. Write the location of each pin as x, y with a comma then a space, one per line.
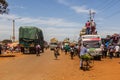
29, 32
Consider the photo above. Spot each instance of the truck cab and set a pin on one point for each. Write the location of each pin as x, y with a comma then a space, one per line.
93, 43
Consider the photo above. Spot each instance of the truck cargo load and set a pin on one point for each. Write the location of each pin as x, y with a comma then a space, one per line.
53, 43
29, 37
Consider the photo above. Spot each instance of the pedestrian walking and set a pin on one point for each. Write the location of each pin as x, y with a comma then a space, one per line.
72, 50
83, 51
67, 47
111, 50
56, 52
38, 47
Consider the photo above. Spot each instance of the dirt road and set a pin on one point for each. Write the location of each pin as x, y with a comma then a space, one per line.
45, 67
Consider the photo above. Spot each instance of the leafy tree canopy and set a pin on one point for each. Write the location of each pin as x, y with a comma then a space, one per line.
7, 41
4, 7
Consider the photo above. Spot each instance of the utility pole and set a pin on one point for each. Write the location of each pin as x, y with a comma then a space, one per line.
13, 37
13, 28
13, 25
91, 15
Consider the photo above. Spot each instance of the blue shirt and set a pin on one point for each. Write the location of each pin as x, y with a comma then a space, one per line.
83, 51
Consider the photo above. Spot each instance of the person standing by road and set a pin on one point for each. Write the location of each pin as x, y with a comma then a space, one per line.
105, 51
117, 52
102, 49
111, 50
83, 50
38, 47
0, 49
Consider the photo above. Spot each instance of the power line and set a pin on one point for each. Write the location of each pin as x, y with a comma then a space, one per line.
112, 5
113, 14
106, 3
99, 5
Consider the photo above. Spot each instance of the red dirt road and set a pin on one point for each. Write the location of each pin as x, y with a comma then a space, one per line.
45, 67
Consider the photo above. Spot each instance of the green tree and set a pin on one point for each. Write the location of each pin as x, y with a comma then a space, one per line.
4, 7
7, 41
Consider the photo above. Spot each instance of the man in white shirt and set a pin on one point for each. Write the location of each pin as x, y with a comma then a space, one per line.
117, 48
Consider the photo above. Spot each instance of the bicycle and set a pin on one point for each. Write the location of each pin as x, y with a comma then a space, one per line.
87, 62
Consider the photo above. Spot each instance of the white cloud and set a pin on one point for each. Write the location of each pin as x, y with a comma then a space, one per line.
77, 9
61, 33
17, 7
8, 17
44, 21
63, 2
49, 22
55, 26
80, 9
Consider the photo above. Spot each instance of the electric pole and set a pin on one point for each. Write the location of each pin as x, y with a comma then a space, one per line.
13, 23
92, 14
13, 30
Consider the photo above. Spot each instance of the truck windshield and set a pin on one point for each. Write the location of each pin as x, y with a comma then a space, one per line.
92, 44
53, 43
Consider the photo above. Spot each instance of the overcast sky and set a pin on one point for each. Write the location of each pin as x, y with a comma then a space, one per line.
60, 18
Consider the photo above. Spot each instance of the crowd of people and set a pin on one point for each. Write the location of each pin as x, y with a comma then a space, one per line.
109, 48
9, 49
4, 49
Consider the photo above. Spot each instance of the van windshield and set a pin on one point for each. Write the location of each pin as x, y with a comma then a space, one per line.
92, 44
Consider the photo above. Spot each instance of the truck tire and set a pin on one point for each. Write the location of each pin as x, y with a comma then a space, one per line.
98, 57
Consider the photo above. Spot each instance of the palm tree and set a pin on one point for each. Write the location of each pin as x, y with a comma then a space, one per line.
4, 7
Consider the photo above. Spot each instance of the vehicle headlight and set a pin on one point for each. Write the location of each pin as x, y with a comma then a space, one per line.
98, 51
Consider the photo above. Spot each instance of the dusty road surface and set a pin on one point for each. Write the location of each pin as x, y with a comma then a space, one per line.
45, 67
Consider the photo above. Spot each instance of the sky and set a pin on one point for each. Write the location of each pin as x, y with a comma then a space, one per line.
60, 18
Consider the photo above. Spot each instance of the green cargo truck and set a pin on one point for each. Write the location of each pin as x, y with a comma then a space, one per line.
29, 37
